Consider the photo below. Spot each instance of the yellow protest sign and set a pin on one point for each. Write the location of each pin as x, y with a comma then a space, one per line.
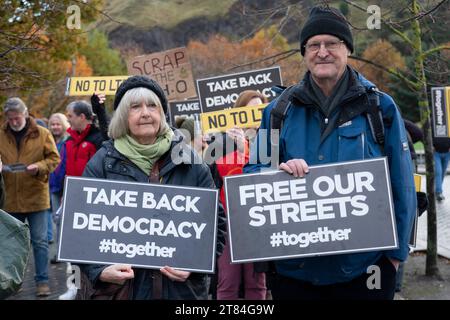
418, 182
86, 86
221, 121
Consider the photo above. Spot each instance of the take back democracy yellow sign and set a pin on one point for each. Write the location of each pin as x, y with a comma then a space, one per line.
86, 86
221, 121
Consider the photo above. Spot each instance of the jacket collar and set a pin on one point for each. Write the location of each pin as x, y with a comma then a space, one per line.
32, 131
166, 160
357, 87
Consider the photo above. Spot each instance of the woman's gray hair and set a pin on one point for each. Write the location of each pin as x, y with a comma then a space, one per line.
16, 105
62, 118
118, 127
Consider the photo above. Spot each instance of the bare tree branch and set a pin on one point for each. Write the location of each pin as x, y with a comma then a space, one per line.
433, 50
422, 14
99, 11
388, 24
411, 84
281, 55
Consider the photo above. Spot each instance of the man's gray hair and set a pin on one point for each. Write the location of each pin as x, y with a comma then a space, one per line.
118, 127
17, 105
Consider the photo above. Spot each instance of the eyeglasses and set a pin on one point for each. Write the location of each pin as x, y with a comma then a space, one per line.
329, 45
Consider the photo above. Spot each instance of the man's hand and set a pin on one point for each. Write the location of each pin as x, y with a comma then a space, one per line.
175, 275
33, 169
296, 167
117, 273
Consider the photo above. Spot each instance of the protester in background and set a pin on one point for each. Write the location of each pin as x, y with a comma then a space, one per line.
58, 126
22, 141
191, 127
141, 150
231, 275
327, 123
441, 159
85, 138
415, 134
43, 123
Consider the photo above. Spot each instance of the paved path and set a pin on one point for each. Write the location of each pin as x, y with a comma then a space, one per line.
443, 224
58, 276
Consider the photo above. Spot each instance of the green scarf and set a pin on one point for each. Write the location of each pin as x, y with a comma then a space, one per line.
144, 155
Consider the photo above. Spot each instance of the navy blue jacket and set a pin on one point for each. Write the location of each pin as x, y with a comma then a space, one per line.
306, 134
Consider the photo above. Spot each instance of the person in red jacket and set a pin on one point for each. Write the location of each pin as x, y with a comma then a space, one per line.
85, 138
230, 275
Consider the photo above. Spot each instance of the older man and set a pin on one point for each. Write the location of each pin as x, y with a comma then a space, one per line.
32, 152
326, 123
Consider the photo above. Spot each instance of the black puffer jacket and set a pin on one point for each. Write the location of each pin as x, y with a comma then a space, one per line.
109, 164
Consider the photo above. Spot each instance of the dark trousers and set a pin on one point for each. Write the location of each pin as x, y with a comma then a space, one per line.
285, 288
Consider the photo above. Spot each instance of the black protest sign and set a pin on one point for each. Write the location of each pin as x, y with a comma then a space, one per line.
188, 108
339, 208
440, 98
145, 225
218, 93
171, 69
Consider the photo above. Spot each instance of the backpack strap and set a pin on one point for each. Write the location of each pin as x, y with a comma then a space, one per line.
277, 115
375, 117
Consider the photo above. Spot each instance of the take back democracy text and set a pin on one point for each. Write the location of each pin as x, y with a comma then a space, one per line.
145, 200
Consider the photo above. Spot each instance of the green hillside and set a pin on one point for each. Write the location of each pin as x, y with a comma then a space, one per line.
164, 13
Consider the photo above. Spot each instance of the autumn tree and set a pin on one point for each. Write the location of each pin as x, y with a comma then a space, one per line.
220, 55
34, 40
380, 52
411, 35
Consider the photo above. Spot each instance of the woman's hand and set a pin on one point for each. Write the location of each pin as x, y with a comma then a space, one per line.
174, 274
238, 135
117, 273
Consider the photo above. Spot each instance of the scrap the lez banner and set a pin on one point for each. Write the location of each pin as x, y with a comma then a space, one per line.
141, 224
334, 209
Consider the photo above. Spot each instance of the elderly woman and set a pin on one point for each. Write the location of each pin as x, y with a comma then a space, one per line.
141, 143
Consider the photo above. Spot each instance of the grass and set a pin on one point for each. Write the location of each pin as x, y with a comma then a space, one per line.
418, 146
162, 13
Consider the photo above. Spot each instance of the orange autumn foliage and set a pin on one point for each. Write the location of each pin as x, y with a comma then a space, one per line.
381, 52
220, 55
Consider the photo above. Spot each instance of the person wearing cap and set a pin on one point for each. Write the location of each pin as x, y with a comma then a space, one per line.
24, 142
327, 123
140, 151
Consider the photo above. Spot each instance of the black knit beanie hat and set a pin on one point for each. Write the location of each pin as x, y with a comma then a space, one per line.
140, 82
326, 21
